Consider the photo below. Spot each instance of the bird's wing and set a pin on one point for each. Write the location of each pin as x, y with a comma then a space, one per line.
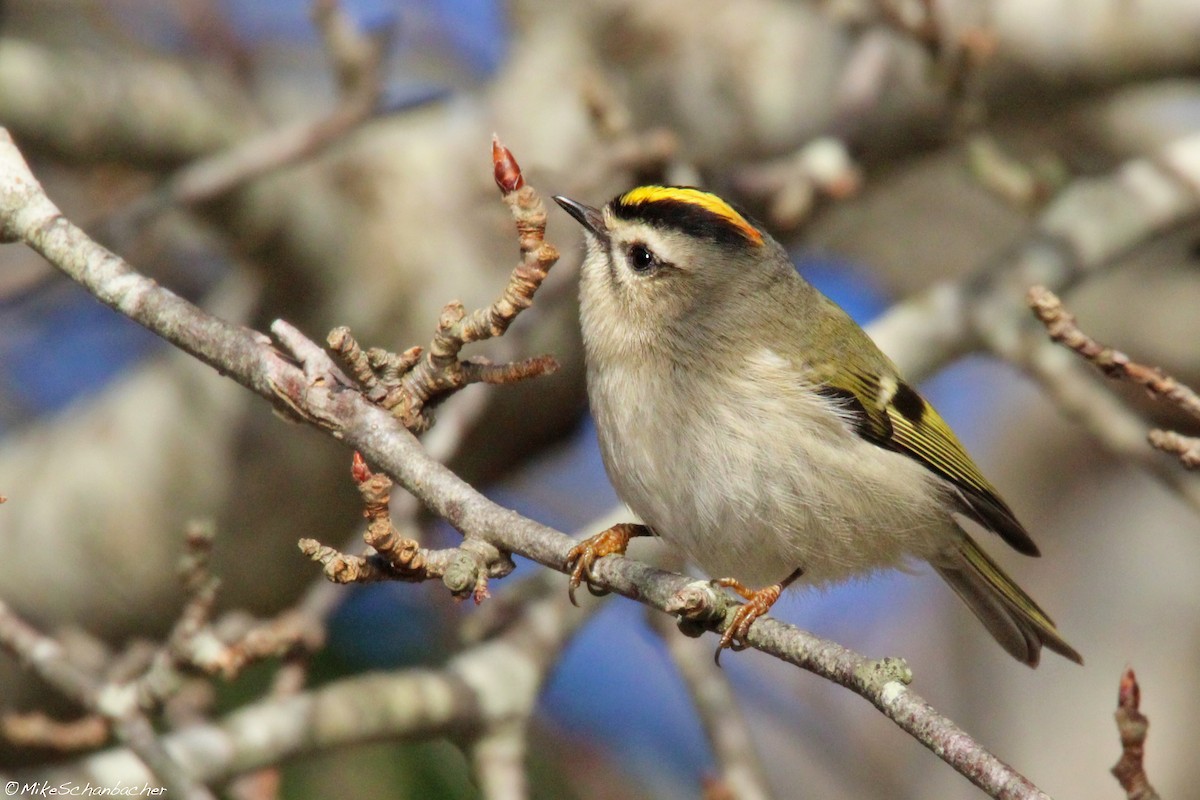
891, 414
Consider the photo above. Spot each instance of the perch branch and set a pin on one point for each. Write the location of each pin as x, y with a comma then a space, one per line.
313, 393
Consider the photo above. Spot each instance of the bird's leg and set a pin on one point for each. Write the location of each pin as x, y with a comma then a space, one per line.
584, 555
758, 602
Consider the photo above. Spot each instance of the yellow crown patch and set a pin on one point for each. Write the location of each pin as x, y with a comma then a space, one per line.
646, 195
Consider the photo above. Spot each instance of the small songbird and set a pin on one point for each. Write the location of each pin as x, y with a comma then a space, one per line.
749, 422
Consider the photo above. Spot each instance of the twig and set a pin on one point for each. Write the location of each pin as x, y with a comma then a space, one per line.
1187, 448
1063, 328
1132, 725
198, 644
410, 382
1078, 394
465, 570
313, 394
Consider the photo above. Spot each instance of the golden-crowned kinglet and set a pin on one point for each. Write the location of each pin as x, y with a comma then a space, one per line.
751, 423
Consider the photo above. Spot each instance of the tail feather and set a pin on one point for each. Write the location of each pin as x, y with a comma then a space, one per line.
1010, 615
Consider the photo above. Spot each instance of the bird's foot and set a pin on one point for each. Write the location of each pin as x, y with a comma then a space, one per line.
584, 555
758, 602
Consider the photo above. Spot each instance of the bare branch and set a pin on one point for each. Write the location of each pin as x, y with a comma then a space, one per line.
315, 395
143, 111
438, 370
356, 60
1079, 395
1187, 448
1062, 328
1086, 226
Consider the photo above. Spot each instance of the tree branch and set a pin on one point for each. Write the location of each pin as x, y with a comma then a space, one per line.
1062, 328
1088, 224
314, 392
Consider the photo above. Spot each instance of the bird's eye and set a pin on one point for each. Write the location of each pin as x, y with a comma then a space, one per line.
641, 260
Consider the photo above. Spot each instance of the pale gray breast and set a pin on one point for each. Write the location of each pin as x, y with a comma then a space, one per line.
753, 472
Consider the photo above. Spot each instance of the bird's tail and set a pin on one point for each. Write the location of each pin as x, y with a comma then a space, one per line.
1010, 615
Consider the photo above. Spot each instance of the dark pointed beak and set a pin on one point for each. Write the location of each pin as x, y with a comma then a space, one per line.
586, 216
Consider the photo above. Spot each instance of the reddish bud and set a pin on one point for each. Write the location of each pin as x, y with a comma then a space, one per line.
481, 592
505, 167
1130, 694
359, 469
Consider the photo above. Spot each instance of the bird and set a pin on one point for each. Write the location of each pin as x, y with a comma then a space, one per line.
751, 424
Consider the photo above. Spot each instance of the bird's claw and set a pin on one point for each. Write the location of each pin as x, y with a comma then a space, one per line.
583, 557
758, 603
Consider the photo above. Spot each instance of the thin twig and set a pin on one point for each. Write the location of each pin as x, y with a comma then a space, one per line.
1078, 395
1062, 327
1132, 725
409, 383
